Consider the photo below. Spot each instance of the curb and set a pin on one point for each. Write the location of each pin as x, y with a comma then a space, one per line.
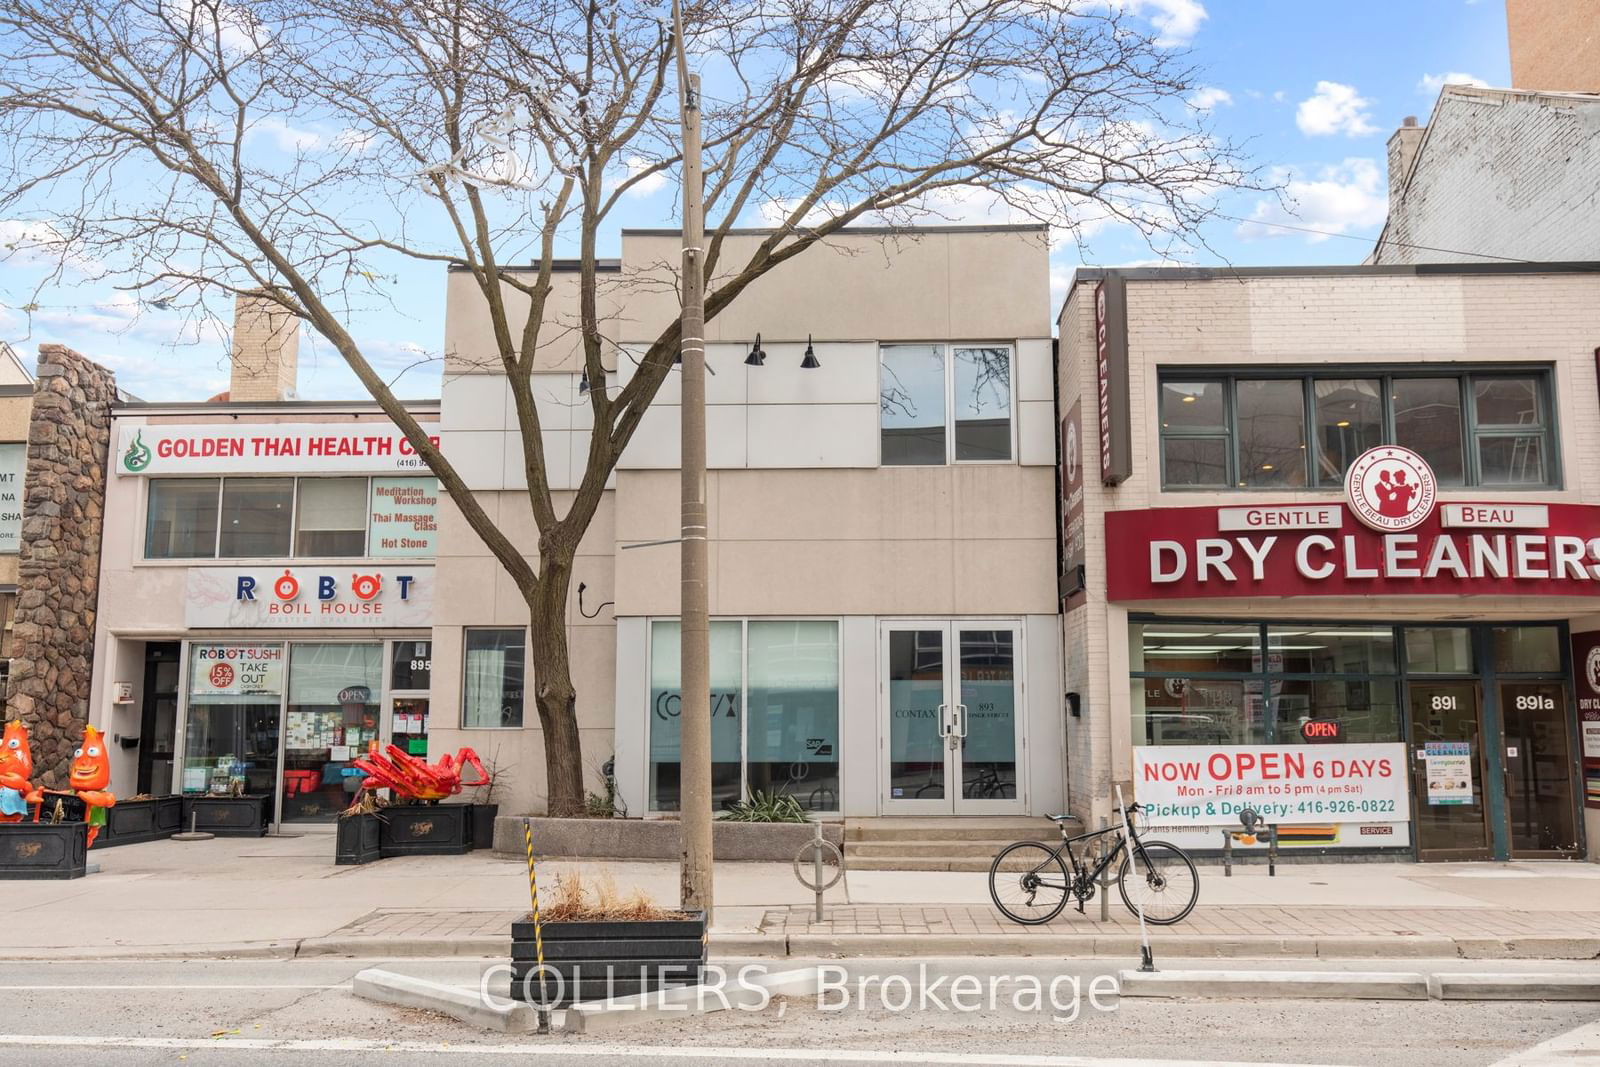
1358, 985
463, 1005
599, 1016
1345, 985
755, 945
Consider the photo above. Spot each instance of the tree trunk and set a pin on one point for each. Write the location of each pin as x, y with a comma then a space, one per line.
554, 695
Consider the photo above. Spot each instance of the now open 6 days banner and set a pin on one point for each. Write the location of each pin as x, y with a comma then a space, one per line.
1203, 785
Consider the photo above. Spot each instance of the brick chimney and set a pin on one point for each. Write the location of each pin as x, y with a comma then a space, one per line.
266, 350
1402, 153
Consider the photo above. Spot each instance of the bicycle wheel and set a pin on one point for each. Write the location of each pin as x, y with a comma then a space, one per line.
1165, 884
1028, 883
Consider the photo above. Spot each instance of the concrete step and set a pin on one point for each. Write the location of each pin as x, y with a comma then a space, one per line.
994, 829
917, 863
929, 849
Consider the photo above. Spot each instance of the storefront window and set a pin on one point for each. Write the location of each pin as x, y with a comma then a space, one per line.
1331, 649
726, 690
231, 731
256, 517
792, 742
1194, 429
182, 519
1222, 647
333, 718
1439, 650
404, 517
1355, 709
493, 693
332, 517
1527, 649
1178, 710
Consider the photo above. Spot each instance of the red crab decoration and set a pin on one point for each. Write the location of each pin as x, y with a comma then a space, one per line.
414, 779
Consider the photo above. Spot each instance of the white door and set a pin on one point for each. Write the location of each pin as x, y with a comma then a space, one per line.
952, 717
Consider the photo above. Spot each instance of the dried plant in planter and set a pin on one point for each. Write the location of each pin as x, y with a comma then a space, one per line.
366, 803
580, 897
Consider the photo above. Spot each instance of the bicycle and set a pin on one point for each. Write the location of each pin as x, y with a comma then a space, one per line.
1023, 879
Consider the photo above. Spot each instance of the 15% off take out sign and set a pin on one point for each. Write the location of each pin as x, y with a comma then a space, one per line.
1208, 786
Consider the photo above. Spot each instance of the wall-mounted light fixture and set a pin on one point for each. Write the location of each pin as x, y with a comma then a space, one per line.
598, 609
1075, 704
756, 358
810, 362
583, 383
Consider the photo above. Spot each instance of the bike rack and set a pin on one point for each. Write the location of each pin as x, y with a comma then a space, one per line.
817, 846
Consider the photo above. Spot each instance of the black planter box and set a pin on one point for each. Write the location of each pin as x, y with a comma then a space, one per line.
246, 816
483, 816
36, 851
611, 958
129, 822
358, 840
426, 830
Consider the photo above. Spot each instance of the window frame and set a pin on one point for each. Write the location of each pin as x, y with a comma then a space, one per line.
948, 353
744, 622
1465, 377
527, 667
293, 555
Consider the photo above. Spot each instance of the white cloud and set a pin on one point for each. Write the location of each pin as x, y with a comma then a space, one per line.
1279, 95
1175, 21
288, 138
1432, 83
35, 243
1335, 108
1350, 195
647, 186
1209, 96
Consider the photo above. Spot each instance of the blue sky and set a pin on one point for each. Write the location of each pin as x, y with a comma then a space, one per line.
1312, 87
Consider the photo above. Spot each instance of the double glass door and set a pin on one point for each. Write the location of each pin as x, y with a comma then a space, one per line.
1475, 782
952, 717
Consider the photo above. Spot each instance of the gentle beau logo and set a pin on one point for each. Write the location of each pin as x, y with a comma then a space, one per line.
1591, 670
1390, 488
1072, 451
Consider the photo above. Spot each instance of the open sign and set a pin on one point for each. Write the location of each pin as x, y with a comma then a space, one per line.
1315, 730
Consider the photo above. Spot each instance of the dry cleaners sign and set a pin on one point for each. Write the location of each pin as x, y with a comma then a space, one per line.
1388, 538
280, 597
267, 448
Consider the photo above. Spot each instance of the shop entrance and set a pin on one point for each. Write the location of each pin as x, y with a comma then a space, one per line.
952, 718
1450, 786
1492, 758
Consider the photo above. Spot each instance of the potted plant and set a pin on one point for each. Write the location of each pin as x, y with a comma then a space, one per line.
359, 835
484, 809
142, 818
599, 944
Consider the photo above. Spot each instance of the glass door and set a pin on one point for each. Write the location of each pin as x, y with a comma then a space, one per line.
916, 705
1540, 805
952, 712
1449, 792
986, 718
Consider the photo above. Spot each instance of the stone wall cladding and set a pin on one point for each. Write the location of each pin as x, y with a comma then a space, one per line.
59, 565
1509, 175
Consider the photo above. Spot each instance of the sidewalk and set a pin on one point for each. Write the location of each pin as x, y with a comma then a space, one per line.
283, 897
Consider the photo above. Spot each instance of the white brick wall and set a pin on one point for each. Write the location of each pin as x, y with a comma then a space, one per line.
1505, 174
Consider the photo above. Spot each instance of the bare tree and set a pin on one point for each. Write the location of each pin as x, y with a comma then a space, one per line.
184, 148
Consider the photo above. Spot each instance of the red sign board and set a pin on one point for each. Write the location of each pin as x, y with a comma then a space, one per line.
1179, 553
1315, 730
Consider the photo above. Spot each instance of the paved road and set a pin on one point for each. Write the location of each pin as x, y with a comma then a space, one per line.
292, 1012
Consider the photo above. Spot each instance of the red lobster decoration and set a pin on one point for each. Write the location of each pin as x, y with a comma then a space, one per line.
414, 779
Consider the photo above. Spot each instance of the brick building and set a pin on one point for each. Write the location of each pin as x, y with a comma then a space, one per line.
1335, 517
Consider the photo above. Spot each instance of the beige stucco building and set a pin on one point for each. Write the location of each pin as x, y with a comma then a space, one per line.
876, 522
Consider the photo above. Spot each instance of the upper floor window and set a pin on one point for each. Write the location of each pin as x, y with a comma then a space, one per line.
945, 404
1303, 431
254, 518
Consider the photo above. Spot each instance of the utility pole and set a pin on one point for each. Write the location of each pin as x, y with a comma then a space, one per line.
694, 672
